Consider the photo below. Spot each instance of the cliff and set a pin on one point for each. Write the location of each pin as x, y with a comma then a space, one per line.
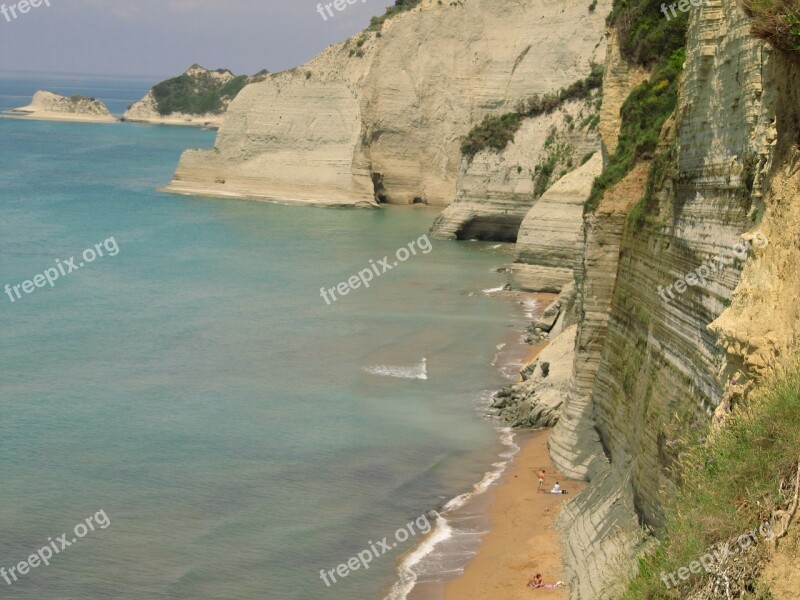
380, 119
653, 358
199, 97
53, 107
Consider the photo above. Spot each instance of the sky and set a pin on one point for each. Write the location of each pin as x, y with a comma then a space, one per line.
146, 38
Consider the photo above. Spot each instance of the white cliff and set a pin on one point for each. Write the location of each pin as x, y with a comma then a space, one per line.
380, 118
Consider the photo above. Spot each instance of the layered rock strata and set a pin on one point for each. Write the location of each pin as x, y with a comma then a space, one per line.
549, 240
647, 365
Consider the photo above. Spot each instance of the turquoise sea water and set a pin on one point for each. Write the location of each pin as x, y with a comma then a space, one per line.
239, 433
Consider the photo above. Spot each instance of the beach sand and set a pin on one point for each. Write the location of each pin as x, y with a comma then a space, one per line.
522, 540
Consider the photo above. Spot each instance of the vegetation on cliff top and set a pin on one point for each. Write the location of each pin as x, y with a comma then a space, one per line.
776, 21
648, 39
199, 94
376, 23
729, 486
496, 131
645, 36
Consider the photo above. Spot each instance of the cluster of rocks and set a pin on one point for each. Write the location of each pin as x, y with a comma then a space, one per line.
537, 400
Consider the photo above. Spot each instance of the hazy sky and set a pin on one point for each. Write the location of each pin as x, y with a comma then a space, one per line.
164, 37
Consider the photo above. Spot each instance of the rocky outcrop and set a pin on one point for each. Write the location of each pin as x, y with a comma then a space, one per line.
762, 324
496, 190
536, 401
379, 119
549, 240
53, 107
194, 83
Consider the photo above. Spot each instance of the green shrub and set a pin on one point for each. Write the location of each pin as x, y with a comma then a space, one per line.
645, 35
643, 114
376, 23
196, 95
646, 38
495, 132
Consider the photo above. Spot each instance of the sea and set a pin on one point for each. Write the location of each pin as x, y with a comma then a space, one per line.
185, 417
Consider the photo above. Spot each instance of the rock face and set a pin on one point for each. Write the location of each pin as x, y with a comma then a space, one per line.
380, 119
537, 400
50, 106
202, 80
549, 240
647, 364
496, 190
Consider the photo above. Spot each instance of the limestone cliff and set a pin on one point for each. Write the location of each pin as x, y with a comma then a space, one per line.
379, 119
496, 190
647, 364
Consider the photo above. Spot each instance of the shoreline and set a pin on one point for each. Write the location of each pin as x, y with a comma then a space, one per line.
522, 539
460, 556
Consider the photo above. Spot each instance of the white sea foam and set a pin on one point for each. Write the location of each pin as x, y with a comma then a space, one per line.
442, 531
496, 357
493, 290
531, 307
419, 371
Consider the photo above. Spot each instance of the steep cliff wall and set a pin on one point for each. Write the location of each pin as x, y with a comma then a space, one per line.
647, 365
496, 190
385, 114
549, 240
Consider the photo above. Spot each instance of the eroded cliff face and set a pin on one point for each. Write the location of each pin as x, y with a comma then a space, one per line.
647, 365
496, 190
382, 117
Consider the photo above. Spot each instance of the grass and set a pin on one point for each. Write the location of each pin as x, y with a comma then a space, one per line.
496, 131
729, 486
557, 154
775, 21
643, 114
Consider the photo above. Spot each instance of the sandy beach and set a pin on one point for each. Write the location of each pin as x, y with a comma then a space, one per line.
522, 540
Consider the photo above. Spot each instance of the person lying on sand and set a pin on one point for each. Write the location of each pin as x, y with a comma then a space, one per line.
537, 583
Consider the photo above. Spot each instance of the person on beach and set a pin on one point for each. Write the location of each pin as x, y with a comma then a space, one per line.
556, 489
536, 582
541, 480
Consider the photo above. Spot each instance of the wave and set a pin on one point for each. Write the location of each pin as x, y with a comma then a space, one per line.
408, 571
419, 371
